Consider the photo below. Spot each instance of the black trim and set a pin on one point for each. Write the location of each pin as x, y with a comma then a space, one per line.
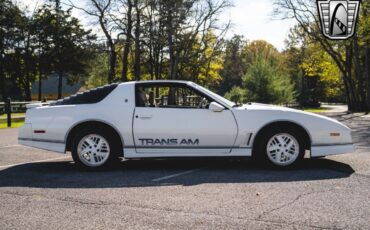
249, 139
41, 140
172, 84
184, 147
89, 97
325, 145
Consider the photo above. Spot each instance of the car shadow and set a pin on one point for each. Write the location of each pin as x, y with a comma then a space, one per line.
187, 172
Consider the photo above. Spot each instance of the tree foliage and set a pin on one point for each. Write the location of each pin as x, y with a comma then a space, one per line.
262, 75
265, 83
350, 56
33, 46
161, 39
233, 64
182, 39
319, 64
236, 94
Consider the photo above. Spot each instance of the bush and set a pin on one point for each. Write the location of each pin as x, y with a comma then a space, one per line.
236, 94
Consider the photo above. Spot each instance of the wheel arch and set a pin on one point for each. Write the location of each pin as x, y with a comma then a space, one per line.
306, 135
96, 124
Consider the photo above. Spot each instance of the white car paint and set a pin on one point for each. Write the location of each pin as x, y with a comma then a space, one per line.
230, 132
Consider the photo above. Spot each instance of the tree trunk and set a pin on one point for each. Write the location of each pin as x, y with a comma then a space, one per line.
150, 45
60, 84
170, 33
367, 64
27, 57
127, 46
40, 72
137, 44
2, 75
2, 78
112, 62
111, 45
361, 88
353, 103
40, 87
112, 51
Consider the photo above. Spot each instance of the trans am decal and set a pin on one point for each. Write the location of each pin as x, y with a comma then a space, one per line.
168, 141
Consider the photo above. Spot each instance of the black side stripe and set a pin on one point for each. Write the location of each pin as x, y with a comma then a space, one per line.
184, 147
249, 139
41, 140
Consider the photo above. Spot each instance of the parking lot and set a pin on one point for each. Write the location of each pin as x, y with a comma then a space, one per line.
44, 190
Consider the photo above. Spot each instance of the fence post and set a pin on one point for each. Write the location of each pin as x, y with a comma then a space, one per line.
8, 109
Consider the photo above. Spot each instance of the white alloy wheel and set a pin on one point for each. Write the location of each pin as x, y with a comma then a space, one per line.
93, 150
282, 149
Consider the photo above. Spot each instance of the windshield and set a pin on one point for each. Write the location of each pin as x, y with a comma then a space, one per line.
214, 95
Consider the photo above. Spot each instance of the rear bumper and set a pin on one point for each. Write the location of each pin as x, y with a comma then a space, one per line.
43, 144
326, 150
25, 137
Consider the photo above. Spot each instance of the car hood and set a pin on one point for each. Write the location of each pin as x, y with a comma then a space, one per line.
274, 108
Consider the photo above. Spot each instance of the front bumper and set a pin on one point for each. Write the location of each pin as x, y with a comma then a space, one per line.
326, 150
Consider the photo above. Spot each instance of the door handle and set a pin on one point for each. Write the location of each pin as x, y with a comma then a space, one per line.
145, 116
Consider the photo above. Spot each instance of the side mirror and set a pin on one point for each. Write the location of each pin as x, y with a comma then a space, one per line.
215, 107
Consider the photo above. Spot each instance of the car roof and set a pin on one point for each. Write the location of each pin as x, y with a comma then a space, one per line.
157, 81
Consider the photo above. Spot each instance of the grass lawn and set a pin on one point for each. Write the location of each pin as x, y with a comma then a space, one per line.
4, 116
316, 110
15, 124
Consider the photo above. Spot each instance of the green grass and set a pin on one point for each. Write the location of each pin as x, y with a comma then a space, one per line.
316, 110
4, 116
15, 124
17, 120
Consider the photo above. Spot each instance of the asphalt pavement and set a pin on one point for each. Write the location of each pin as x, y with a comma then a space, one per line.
44, 190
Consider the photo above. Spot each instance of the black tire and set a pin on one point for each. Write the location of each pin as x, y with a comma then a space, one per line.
261, 154
112, 143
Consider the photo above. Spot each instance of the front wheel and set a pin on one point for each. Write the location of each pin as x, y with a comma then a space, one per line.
93, 149
281, 147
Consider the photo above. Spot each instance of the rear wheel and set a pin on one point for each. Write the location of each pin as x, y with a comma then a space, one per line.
94, 149
281, 147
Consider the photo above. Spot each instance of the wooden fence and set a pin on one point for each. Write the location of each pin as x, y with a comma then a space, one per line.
10, 107
15, 107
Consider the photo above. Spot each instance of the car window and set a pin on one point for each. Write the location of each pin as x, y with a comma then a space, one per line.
170, 96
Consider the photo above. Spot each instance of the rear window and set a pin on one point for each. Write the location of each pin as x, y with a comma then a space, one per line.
88, 97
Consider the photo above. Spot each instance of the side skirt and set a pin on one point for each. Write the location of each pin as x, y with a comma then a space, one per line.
173, 152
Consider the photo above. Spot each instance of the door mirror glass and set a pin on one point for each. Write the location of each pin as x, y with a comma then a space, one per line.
215, 107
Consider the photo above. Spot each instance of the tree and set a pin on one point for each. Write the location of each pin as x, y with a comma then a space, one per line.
185, 22
236, 94
258, 49
264, 83
13, 26
137, 62
319, 64
127, 42
101, 10
233, 65
69, 54
349, 55
97, 71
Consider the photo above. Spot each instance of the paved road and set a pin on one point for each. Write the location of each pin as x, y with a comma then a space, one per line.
50, 193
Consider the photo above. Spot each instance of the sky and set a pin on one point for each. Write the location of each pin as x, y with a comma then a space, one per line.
253, 19
250, 18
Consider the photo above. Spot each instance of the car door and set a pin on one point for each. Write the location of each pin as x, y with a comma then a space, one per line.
175, 120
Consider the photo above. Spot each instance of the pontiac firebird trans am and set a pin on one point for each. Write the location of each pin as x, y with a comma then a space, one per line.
176, 119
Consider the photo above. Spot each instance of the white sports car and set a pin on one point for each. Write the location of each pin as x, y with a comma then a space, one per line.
177, 119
